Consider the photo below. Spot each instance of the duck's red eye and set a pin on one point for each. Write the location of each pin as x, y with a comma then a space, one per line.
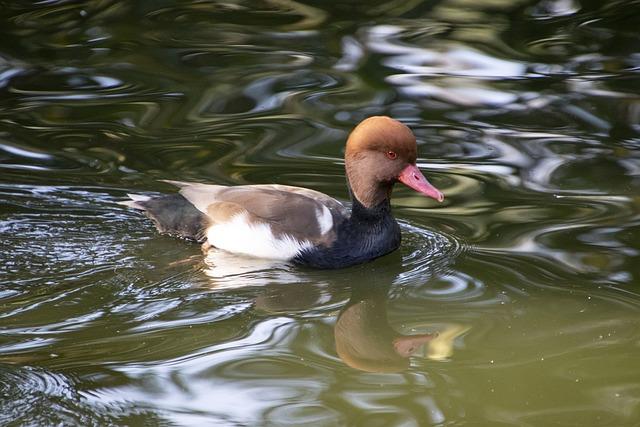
392, 155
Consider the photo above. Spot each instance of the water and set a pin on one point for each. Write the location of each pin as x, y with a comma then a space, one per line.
527, 115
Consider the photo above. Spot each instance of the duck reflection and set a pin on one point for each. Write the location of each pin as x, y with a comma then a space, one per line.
364, 338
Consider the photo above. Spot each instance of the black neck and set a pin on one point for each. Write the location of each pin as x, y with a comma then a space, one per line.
368, 233
378, 213
361, 213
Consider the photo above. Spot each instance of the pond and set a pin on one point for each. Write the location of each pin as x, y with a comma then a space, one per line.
527, 115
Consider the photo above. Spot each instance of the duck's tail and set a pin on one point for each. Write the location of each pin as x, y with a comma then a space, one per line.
172, 214
135, 201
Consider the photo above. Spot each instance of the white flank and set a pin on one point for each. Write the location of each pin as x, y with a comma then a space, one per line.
325, 219
254, 239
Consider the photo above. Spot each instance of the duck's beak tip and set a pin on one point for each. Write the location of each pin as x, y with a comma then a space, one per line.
413, 178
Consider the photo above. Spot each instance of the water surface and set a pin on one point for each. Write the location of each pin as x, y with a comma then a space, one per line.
527, 115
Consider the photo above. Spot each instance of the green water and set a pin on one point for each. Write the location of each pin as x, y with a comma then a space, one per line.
527, 115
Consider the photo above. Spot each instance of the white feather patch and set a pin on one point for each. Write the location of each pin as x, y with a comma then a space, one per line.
138, 197
241, 236
133, 203
325, 219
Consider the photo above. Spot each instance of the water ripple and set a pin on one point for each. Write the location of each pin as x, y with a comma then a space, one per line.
527, 117
32, 395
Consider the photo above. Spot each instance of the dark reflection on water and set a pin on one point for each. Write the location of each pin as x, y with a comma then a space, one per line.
528, 118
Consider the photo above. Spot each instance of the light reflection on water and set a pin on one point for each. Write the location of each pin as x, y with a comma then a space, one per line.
527, 115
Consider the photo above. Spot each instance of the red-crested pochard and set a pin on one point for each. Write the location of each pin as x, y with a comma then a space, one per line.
297, 224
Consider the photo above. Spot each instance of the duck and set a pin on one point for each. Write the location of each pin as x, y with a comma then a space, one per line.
300, 225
